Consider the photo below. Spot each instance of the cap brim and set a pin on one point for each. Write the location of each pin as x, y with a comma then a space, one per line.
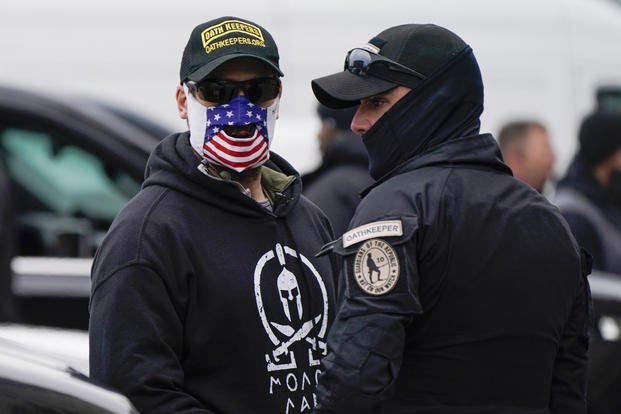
344, 89
204, 71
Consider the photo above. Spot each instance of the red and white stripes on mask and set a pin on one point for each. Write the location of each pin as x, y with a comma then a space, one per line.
208, 138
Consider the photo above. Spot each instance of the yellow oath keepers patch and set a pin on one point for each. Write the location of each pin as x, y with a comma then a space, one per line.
230, 33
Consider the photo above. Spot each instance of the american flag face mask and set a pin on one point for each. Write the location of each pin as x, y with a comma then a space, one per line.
208, 137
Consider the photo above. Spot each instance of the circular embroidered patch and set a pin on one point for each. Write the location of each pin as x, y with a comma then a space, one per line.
376, 267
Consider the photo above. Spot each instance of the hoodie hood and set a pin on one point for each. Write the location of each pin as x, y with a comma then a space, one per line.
173, 164
447, 106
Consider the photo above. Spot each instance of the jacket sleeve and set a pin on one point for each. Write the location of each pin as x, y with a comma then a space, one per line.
366, 353
366, 341
136, 336
568, 394
586, 234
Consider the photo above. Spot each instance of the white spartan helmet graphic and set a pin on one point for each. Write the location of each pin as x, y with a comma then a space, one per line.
297, 329
288, 288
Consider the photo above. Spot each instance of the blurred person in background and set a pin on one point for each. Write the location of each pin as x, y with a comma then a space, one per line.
589, 195
206, 294
463, 290
526, 148
336, 184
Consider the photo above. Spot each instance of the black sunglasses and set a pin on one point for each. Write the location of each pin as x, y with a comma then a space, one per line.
361, 61
222, 91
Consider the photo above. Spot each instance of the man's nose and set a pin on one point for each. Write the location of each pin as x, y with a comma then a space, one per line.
359, 124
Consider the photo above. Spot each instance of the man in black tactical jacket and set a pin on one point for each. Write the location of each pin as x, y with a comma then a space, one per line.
463, 290
206, 295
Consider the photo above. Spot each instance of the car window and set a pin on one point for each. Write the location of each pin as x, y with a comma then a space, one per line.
66, 196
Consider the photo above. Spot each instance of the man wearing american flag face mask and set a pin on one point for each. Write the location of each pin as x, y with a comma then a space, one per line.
206, 293
232, 132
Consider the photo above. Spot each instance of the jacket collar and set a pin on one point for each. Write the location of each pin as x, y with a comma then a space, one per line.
475, 150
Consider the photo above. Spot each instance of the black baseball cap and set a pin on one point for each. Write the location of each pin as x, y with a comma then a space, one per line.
423, 48
220, 40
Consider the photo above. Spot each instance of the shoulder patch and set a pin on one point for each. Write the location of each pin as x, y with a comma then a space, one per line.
376, 267
368, 231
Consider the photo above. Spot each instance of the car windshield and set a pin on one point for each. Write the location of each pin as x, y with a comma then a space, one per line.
69, 181
61, 188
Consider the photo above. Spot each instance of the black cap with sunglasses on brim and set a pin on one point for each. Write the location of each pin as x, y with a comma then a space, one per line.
406, 55
217, 41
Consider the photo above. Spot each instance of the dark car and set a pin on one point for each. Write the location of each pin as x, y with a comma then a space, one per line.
33, 382
72, 163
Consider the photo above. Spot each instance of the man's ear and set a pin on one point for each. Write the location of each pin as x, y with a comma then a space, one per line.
182, 105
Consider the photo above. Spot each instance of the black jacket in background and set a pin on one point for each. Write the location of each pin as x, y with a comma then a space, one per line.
592, 214
595, 220
205, 302
336, 184
489, 313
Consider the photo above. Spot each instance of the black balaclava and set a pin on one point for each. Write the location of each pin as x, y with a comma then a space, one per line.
445, 107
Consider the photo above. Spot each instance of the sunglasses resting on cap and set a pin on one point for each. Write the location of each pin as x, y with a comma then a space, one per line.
361, 61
